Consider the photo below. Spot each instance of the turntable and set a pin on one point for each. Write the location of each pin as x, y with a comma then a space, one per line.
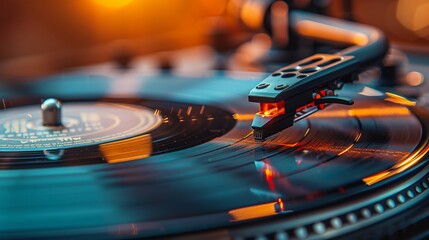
126, 151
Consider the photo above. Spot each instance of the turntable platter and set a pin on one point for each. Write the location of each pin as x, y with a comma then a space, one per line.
214, 177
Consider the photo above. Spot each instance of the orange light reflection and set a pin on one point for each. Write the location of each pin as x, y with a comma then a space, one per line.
365, 112
243, 117
269, 174
128, 149
322, 31
357, 138
281, 204
257, 211
272, 109
404, 165
391, 97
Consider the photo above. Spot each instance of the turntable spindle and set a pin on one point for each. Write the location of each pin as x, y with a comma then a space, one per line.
51, 112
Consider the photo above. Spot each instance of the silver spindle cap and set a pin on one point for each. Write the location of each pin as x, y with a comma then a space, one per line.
51, 112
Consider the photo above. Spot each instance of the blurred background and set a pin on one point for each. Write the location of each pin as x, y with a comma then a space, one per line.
42, 37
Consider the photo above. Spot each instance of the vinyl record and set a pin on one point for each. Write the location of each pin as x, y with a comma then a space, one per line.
193, 165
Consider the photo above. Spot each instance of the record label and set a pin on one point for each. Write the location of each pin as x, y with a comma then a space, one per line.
84, 124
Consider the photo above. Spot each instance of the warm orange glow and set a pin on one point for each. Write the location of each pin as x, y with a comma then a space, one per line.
403, 165
346, 149
321, 31
252, 14
413, 15
261, 43
113, 3
391, 97
279, 9
281, 204
365, 112
128, 149
268, 173
243, 117
251, 52
252, 212
414, 78
357, 138
279, 21
272, 109
214, 8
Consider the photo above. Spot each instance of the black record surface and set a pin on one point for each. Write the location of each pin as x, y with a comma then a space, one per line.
213, 176
183, 126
